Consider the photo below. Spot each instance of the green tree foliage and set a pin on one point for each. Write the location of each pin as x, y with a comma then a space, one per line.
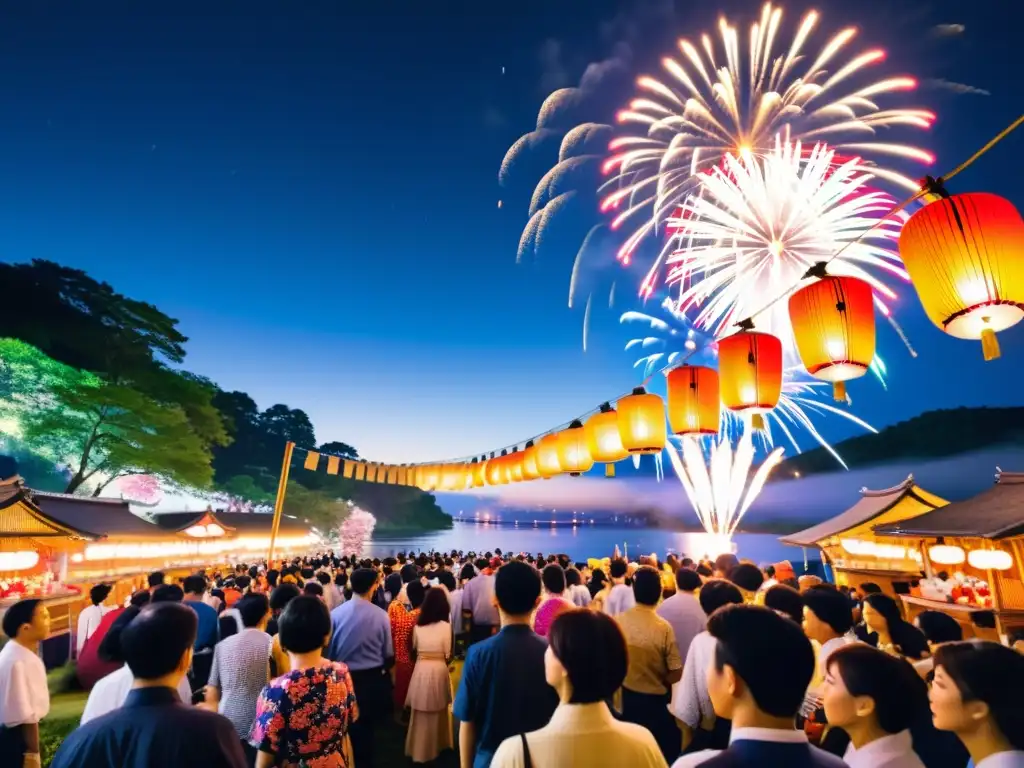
336, 448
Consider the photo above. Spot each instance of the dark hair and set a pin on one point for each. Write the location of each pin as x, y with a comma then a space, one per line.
743, 632
719, 592
194, 584
282, 595
939, 627
481, 563
467, 572
618, 568
983, 619
516, 587
769, 571
899, 693
304, 624
154, 642
447, 578
831, 606
242, 582
592, 649
323, 577
687, 580
252, 608
110, 645
907, 638
19, 614
435, 608
99, 593
307, 573
362, 580
573, 578
747, 576
167, 593
409, 573
141, 598
155, 579
554, 578
340, 579
314, 588
785, 600
870, 588
647, 585
415, 592
725, 562
704, 570
992, 673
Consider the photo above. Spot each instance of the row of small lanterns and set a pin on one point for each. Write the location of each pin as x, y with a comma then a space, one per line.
964, 256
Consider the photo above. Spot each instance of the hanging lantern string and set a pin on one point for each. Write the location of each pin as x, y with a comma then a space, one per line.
747, 322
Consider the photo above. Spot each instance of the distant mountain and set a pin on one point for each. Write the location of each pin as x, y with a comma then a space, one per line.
932, 435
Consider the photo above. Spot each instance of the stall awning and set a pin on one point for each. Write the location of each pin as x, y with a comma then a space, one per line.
22, 515
993, 514
903, 501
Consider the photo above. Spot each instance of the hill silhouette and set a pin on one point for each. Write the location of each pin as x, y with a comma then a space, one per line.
933, 434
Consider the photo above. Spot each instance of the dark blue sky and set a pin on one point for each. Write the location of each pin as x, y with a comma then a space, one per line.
311, 188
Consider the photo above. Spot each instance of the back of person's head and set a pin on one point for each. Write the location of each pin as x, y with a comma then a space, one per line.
618, 568
159, 640
724, 564
110, 645
323, 577
305, 625
769, 571
194, 584
272, 576
99, 593
909, 639
167, 593
870, 588
307, 573
776, 688
591, 650
19, 614
517, 588
409, 573
719, 592
314, 588
939, 627
340, 579
363, 580
703, 569
481, 563
830, 606
983, 619
747, 576
141, 598
988, 679
243, 583
573, 578
415, 592
447, 579
253, 608
687, 580
435, 608
554, 579
467, 572
155, 579
785, 601
282, 595
598, 578
898, 696
647, 585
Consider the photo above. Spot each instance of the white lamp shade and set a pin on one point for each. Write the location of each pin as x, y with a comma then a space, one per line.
18, 561
946, 554
990, 559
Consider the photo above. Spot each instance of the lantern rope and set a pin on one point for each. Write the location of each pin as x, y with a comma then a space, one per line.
746, 322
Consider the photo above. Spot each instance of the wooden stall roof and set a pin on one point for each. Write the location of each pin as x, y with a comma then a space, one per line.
179, 522
100, 518
24, 515
238, 523
903, 501
993, 514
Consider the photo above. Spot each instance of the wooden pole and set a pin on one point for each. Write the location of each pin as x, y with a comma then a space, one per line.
282, 490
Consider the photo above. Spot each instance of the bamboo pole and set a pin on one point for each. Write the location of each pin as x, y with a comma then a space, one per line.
282, 490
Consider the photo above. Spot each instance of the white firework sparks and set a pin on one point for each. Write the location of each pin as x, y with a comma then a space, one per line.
721, 488
759, 223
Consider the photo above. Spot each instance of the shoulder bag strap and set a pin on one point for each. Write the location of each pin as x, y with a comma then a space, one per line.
527, 762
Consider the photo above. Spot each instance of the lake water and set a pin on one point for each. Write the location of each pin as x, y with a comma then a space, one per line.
580, 542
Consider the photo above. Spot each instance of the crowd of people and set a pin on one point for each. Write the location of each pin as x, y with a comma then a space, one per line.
302, 664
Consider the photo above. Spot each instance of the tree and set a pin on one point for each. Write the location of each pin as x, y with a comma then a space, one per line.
322, 511
106, 431
282, 424
336, 448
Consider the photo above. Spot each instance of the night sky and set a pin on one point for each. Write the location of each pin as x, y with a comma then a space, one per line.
311, 188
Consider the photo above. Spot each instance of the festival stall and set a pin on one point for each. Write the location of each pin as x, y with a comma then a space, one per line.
978, 545
851, 545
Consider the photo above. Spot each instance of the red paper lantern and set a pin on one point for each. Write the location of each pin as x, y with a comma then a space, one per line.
694, 404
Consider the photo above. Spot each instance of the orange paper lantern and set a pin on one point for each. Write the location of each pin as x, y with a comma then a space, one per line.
431, 477
603, 439
479, 472
530, 470
573, 455
750, 373
834, 326
694, 404
548, 462
642, 422
515, 466
965, 255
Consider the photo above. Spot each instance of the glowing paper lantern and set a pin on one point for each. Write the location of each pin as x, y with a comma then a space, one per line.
603, 439
530, 470
965, 255
694, 404
515, 466
834, 328
548, 462
573, 455
479, 472
642, 422
750, 373
494, 475
946, 554
990, 559
431, 477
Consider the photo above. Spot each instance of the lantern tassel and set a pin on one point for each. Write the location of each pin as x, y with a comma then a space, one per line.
839, 391
757, 422
989, 344
609, 470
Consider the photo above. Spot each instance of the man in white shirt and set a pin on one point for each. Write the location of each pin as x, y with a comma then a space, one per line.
620, 599
89, 619
24, 696
683, 610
